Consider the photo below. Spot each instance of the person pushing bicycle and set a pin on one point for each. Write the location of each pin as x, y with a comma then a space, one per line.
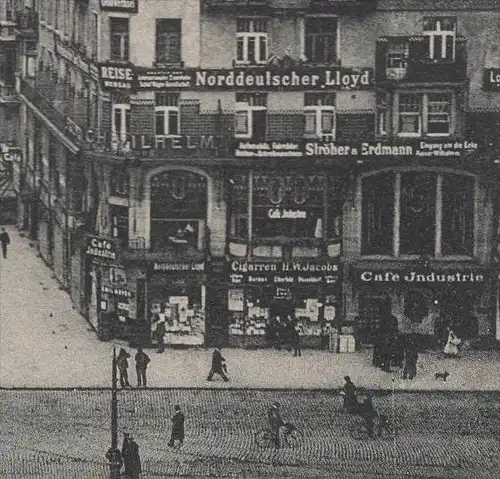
275, 422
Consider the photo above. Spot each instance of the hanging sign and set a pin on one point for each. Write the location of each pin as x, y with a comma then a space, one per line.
100, 248
491, 79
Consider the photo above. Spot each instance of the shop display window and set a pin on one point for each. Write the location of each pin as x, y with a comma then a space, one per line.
178, 210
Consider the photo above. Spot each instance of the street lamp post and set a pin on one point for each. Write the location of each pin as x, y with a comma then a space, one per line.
113, 455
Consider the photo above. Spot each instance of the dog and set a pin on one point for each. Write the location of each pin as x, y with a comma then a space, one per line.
442, 376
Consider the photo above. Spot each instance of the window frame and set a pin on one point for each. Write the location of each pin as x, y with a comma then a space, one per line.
317, 111
305, 36
246, 109
124, 55
439, 32
168, 32
257, 36
424, 113
166, 110
121, 137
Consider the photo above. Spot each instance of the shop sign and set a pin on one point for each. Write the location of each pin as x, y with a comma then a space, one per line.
77, 59
491, 79
165, 267
417, 278
100, 248
283, 273
262, 79
286, 213
129, 6
116, 291
116, 76
406, 148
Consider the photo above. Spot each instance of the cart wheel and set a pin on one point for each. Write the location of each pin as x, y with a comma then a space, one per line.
263, 438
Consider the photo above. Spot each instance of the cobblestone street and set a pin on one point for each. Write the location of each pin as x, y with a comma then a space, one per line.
65, 433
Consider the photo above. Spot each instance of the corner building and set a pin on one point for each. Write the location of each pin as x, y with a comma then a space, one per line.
219, 164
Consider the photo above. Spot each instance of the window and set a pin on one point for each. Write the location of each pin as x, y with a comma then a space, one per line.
167, 121
250, 116
425, 114
120, 125
383, 114
251, 40
440, 36
397, 60
95, 35
432, 213
119, 39
119, 222
168, 40
30, 66
321, 39
178, 210
57, 9
9, 11
319, 111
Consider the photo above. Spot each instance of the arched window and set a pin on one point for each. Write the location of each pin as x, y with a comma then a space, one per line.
178, 209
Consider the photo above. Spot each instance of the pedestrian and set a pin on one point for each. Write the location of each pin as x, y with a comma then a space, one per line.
289, 333
368, 413
325, 336
141, 364
410, 360
451, 348
161, 330
275, 422
5, 240
296, 338
270, 333
122, 365
278, 333
218, 366
131, 457
351, 404
177, 427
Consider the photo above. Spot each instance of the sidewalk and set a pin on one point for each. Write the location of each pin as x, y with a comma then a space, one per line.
44, 342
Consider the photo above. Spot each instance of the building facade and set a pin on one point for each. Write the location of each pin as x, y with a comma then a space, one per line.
219, 164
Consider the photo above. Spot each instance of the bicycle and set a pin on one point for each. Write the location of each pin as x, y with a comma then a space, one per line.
293, 436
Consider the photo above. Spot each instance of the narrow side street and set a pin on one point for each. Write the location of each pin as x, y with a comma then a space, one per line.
44, 342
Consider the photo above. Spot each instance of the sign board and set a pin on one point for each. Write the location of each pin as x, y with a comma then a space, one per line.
100, 248
438, 148
491, 79
170, 267
128, 6
124, 77
429, 278
283, 273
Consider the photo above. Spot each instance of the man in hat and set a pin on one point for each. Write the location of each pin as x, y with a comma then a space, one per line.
5, 240
218, 366
177, 427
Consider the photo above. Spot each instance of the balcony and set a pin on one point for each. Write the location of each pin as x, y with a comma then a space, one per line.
55, 102
401, 60
27, 22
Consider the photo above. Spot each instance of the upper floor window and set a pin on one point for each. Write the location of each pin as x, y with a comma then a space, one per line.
119, 38
120, 124
251, 111
167, 114
432, 213
168, 40
425, 114
321, 39
251, 40
440, 36
319, 111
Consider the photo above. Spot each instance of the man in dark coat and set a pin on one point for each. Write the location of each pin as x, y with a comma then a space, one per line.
218, 366
349, 393
368, 413
177, 427
131, 458
275, 422
296, 339
411, 359
122, 365
5, 240
141, 364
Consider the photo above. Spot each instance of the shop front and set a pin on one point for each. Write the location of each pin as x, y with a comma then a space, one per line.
421, 301
176, 295
260, 291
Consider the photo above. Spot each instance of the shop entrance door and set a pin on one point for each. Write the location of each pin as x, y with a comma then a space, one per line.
455, 310
217, 326
281, 309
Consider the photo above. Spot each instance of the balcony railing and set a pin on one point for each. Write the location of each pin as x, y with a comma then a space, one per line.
406, 59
